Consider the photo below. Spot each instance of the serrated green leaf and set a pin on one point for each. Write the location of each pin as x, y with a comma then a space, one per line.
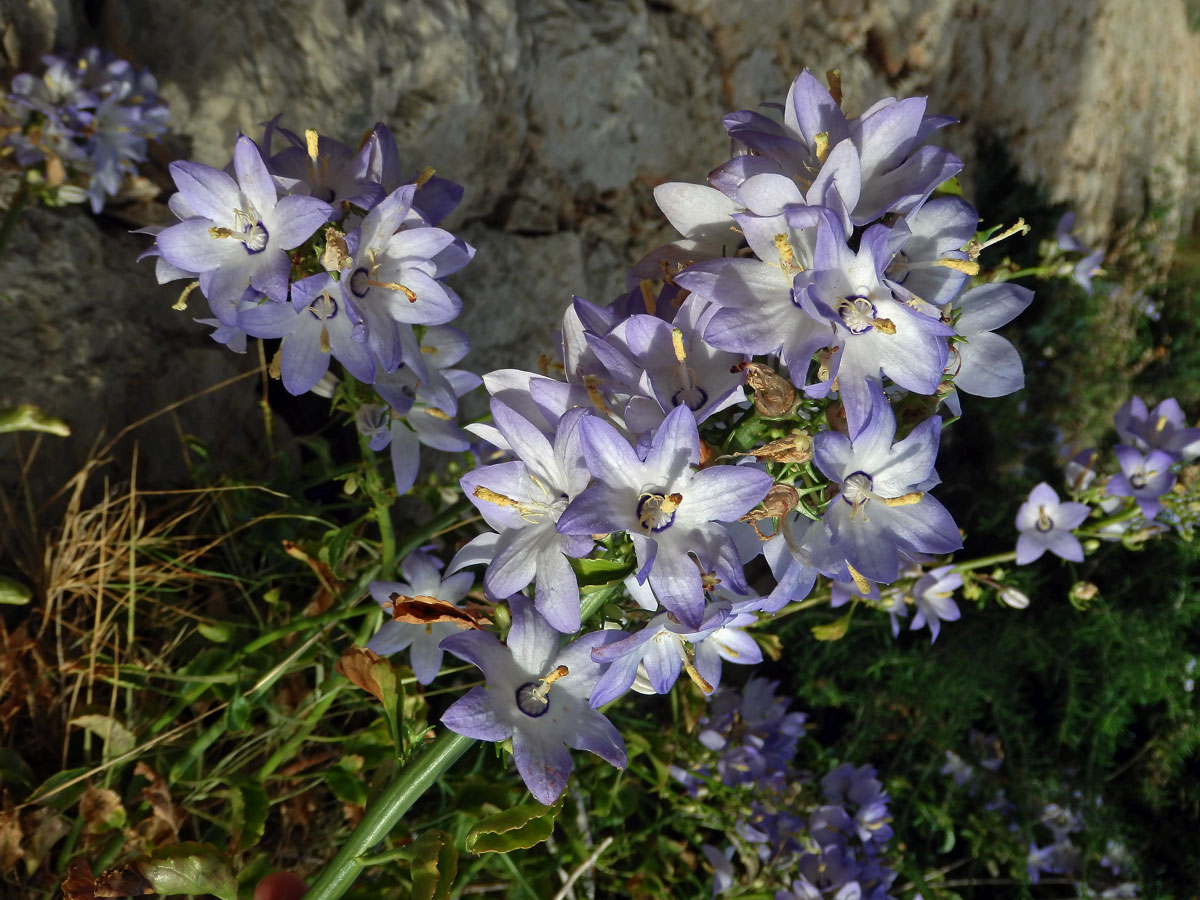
434, 866
189, 868
835, 630
517, 828
117, 738
28, 417
14, 593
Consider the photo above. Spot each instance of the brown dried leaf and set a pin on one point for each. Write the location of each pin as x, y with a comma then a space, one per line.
330, 585
123, 881
158, 796
364, 667
10, 840
79, 883
424, 610
101, 809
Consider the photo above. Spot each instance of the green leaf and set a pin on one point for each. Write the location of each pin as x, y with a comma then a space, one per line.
117, 738
347, 787
189, 868
600, 571
434, 866
64, 798
14, 593
833, 631
517, 828
249, 806
28, 417
217, 632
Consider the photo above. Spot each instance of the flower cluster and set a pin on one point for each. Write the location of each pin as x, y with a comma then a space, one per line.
1152, 489
337, 253
826, 844
91, 117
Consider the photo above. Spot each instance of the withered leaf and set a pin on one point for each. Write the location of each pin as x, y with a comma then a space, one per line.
78, 883
320, 569
122, 881
101, 809
10, 840
158, 796
367, 669
424, 610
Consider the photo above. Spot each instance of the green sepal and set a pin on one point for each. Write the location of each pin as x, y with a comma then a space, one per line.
28, 417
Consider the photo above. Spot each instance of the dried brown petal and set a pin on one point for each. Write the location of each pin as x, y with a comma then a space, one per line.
423, 610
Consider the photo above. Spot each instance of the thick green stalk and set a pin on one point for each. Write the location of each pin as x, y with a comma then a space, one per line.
387, 810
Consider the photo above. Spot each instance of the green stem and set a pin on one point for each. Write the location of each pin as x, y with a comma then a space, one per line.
985, 561
387, 810
15, 208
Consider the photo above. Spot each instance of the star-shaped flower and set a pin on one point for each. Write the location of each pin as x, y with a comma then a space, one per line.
1045, 524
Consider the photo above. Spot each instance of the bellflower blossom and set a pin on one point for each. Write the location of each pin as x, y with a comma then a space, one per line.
93, 113
1144, 476
883, 513
1045, 523
1163, 428
897, 171
670, 510
422, 573
537, 694
239, 232
523, 501
933, 595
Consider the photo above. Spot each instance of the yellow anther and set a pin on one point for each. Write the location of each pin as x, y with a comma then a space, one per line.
860, 581
677, 343
903, 500
973, 247
312, 139
438, 414
275, 369
491, 496
962, 265
787, 254
1159, 425
834, 77
697, 678
394, 286
884, 326
218, 231
429, 351
558, 673
325, 345
646, 287
821, 139
594, 395
425, 175
181, 303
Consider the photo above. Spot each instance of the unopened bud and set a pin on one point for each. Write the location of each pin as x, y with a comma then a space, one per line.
1082, 594
1014, 598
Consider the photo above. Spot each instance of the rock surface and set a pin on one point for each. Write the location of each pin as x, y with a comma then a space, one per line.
560, 116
